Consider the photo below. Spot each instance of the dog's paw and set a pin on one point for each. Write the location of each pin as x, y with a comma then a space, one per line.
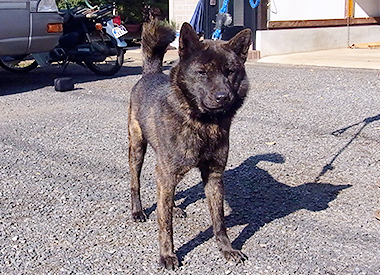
170, 262
139, 216
234, 255
179, 213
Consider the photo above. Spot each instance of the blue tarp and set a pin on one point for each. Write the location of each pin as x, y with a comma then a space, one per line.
197, 19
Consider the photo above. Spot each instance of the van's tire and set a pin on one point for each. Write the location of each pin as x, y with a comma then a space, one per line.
18, 63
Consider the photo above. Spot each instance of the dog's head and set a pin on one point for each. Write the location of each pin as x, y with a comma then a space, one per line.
211, 73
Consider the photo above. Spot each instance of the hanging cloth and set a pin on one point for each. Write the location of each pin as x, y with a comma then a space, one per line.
197, 19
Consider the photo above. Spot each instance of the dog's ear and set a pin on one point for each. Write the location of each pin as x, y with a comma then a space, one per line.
240, 43
188, 41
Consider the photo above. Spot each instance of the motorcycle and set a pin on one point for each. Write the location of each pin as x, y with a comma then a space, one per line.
92, 37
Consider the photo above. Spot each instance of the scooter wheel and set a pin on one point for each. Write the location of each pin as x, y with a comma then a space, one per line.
113, 62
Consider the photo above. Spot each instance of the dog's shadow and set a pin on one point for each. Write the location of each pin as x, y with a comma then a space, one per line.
256, 198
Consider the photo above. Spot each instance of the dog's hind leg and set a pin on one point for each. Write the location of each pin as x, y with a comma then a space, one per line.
215, 195
137, 149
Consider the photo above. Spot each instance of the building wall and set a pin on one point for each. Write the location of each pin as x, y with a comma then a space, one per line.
274, 42
281, 41
181, 10
282, 10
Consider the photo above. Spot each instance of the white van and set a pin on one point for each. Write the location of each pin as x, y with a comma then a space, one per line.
28, 26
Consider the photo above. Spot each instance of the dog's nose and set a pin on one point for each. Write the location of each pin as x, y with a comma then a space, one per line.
221, 97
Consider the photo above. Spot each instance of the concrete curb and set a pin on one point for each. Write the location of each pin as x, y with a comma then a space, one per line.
344, 57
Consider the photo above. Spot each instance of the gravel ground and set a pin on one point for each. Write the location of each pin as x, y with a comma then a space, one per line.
300, 194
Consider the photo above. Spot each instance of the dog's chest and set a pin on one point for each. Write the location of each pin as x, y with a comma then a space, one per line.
195, 144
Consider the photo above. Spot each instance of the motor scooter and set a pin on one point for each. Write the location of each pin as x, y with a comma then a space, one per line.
92, 37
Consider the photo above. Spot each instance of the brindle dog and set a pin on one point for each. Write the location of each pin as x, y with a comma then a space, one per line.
186, 118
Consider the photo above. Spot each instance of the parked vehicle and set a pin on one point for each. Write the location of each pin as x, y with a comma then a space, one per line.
28, 26
92, 37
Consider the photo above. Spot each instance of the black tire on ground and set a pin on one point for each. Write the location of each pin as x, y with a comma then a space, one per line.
18, 63
112, 63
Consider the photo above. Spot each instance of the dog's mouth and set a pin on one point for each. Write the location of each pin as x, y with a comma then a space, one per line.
219, 102
216, 107
211, 104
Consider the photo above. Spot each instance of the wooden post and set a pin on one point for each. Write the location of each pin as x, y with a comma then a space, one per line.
349, 13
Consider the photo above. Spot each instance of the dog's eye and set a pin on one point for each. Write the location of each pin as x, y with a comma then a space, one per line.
202, 72
229, 72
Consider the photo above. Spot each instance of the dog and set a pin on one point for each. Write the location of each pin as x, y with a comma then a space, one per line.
186, 118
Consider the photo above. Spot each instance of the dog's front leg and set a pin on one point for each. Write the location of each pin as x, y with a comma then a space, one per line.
165, 203
137, 149
215, 195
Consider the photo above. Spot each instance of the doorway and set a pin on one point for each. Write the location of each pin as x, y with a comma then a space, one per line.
243, 16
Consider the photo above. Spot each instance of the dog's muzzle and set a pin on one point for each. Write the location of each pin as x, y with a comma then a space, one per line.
222, 98
218, 102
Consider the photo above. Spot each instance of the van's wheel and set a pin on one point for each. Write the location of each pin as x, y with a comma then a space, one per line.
18, 63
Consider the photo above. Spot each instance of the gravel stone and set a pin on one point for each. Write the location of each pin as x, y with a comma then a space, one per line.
301, 180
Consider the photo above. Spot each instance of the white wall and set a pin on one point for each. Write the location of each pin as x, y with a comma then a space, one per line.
181, 10
282, 10
306, 9
282, 41
367, 8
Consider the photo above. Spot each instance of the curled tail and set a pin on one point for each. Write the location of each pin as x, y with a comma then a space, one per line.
156, 36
